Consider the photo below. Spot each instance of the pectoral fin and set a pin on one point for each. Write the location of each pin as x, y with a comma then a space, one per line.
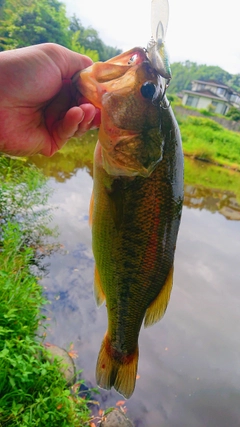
158, 307
98, 290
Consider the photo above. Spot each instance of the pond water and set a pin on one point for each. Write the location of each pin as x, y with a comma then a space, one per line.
189, 363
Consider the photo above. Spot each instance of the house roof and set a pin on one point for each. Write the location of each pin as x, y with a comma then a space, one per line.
217, 84
206, 94
213, 83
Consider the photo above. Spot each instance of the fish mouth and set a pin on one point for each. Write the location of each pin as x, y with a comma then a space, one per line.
129, 147
93, 82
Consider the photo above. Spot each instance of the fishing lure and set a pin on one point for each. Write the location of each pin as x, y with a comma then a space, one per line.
156, 48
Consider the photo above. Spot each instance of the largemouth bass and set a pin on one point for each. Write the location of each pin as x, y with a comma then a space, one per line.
135, 208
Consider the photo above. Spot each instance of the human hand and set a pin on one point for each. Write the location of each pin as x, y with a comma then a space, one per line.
39, 106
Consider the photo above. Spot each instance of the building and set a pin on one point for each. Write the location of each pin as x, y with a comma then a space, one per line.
211, 94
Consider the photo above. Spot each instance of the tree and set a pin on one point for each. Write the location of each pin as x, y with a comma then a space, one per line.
75, 45
234, 114
184, 72
1, 7
89, 39
234, 82
30, 22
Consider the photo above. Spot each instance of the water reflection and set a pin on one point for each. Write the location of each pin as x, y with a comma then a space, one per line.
206, 186
77, 154
189, 363
212, 200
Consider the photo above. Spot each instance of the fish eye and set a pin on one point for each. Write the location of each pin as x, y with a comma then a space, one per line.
148, 90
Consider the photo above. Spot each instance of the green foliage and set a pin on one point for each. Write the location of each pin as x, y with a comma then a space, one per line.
184, 72
203, 138
207, 113
33, 391
28, 22
32, 22
23, 195
234, 114
75, 45
211, 109
211, 177
90, 40
172, 98
234, 82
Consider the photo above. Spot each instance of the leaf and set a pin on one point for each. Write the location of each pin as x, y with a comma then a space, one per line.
4, 352
108, 410
12, 382
73, 354
75, 387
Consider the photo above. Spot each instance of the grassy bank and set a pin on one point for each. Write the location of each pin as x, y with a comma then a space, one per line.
33, 391
80, 153
207, 140
203, 139
211, 177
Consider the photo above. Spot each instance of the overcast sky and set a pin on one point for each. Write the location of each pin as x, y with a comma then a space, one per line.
206, 31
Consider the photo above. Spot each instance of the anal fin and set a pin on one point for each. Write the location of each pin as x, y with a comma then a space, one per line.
98, 290
158, 306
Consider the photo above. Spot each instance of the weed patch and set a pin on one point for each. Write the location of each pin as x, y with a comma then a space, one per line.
33, 391
206, 139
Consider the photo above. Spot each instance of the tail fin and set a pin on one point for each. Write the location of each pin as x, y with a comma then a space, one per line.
118, 372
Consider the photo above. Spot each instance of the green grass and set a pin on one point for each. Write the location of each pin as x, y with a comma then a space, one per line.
33, 391
211, 176
205, 139
177, 102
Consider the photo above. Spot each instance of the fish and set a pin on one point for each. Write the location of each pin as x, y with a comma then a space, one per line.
136, 205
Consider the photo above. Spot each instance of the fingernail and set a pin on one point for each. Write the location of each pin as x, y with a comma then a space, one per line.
83, 115
91, 119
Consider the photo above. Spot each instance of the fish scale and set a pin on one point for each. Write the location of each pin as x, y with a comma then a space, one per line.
134, 265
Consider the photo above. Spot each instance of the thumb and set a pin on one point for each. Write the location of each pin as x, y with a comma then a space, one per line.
67, 61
